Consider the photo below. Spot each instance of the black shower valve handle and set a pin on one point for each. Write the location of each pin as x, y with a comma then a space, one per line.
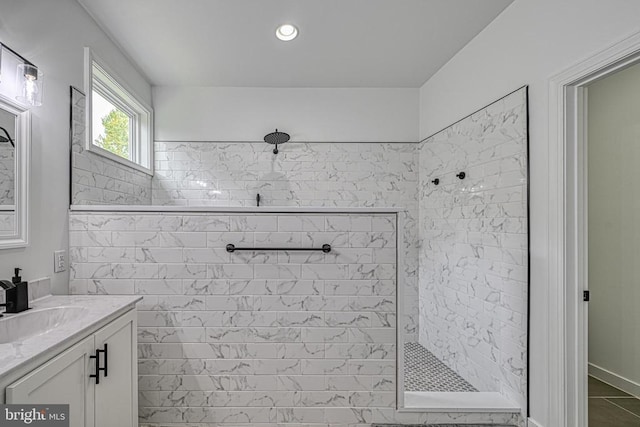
461, 175
436, 181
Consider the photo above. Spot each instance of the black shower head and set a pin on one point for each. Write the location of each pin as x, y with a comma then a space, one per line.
276, 138
6, 138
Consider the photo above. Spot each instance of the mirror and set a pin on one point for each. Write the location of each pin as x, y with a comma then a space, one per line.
7, 172
14, 161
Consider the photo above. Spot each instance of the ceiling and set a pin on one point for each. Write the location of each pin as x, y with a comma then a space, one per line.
342, 43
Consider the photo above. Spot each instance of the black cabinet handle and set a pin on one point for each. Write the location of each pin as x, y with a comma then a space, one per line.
106, 361
98, 368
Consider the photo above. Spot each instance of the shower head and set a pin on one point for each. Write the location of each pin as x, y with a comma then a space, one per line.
276, 138
7, 138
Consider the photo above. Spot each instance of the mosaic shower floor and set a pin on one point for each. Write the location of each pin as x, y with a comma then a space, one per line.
424, 372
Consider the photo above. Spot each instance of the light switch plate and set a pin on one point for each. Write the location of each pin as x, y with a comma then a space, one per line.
59, 261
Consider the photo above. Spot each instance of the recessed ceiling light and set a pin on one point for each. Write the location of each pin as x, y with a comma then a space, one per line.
286, 32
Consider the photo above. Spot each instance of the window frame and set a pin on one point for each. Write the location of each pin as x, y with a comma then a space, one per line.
100, 78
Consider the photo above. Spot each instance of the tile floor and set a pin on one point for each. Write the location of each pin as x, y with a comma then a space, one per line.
424, 372
611, 407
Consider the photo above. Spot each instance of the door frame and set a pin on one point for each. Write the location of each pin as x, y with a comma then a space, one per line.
567, 251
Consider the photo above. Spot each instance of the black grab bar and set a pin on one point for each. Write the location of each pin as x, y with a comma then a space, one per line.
326, 248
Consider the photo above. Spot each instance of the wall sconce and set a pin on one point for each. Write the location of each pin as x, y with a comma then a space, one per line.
29, 79
29, 84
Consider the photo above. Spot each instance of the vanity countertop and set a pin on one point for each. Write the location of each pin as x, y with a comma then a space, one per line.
96, 310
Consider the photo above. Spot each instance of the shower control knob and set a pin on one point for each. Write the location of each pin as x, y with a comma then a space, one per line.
461, 175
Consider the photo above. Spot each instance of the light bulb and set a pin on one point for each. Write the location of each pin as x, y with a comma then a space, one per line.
30, 90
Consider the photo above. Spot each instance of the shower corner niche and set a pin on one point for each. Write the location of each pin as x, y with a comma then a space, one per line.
15, 149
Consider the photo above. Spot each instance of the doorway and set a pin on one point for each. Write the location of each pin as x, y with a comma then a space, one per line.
612, 253
568, 230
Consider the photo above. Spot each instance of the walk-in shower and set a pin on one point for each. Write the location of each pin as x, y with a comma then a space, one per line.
471, 351
314, 333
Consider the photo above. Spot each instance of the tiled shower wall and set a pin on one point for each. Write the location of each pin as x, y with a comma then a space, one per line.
255, 338
474, 247
301, 174
251, 337
97, 180
318, 174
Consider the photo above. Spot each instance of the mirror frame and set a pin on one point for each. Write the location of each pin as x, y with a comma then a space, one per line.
22, 138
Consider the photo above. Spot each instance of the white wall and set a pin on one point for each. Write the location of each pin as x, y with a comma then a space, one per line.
52, 35
614, 230
527, 44
247, 114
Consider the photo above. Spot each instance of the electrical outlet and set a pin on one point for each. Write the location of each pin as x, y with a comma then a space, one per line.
59, 261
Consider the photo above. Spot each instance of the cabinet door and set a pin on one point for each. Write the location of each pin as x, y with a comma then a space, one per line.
117, 393
62, 380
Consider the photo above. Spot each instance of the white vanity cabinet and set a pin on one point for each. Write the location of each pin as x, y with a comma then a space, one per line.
107, 401
116, 396
63, 379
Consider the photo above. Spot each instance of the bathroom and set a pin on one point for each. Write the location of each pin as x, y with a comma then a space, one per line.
391, 261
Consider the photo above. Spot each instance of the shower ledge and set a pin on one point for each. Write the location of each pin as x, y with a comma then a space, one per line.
240, 209
482, 401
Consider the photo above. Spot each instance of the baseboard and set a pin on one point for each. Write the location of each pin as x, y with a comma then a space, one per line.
614, 379
532, 423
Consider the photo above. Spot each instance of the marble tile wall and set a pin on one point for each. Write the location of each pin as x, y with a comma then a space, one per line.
302, 174
474, 247
267, 339
319, 174
97, 180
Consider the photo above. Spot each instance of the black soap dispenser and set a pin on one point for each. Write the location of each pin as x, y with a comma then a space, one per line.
16, 279
18, 295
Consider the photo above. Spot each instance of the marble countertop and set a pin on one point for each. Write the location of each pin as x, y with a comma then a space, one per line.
98, 308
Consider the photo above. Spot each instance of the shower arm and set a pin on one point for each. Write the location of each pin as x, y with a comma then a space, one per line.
8, 137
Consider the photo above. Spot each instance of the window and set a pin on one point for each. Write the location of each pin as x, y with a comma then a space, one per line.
119, 125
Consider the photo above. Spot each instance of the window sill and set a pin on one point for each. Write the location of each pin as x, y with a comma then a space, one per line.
126, 162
